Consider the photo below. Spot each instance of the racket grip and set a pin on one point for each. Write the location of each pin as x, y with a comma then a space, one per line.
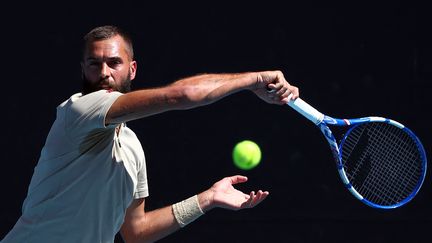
306, 110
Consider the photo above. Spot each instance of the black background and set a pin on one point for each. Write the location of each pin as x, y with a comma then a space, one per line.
348, 61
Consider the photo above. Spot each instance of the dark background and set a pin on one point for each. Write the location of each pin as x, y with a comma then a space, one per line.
348, 61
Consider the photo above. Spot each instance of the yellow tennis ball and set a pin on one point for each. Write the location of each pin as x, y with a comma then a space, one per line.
246, 155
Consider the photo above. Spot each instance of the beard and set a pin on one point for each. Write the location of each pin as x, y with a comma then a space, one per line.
89, 87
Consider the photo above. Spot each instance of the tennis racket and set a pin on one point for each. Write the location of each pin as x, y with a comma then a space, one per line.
380, 161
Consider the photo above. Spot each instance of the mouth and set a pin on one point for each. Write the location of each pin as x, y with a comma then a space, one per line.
104, 86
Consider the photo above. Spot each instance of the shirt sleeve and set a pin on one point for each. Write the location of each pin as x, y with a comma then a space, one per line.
142, 185
87, 113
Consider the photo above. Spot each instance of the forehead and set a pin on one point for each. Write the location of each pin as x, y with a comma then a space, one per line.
112, 47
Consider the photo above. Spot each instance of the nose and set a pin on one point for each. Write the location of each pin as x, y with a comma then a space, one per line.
105, 70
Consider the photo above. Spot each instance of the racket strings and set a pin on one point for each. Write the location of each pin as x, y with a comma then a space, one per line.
381, 189
390, 186
382, 162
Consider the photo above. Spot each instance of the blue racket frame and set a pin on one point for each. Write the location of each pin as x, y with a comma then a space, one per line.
323, 122
335, 148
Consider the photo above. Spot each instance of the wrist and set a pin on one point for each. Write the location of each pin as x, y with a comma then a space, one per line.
187, 211
255, 80
205, 200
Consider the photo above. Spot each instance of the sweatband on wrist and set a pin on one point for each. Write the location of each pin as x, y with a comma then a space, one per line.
187, 211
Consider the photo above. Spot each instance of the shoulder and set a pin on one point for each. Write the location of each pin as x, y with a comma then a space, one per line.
97, 98
101, 94
91, 106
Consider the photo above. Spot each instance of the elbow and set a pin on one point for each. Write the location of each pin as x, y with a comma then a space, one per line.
136, 237
189, 96
136, 240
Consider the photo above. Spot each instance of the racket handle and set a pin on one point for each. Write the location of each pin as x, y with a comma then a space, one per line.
306, 110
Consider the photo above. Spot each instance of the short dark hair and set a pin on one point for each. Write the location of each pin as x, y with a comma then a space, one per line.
106, 32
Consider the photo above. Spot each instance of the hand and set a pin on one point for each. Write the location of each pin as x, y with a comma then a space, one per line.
274, 89
222, 194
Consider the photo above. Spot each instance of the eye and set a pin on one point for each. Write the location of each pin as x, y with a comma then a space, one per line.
93, 63
114, 63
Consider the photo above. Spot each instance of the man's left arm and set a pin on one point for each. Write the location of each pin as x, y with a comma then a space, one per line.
141, 226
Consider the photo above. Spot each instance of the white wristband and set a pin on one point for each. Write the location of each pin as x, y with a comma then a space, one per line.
187, 211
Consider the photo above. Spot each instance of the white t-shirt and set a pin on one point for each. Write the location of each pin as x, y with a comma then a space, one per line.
86, 177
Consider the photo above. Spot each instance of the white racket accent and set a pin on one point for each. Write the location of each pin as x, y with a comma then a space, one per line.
306, 110
396, 124
376, 118
355, 193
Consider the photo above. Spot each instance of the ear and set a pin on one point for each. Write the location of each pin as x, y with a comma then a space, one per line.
133, 69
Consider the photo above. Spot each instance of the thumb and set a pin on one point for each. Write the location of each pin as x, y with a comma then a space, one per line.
237, 179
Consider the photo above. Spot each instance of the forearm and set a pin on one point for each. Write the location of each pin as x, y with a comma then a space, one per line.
207, 88
186, 93
157, 224
150, 227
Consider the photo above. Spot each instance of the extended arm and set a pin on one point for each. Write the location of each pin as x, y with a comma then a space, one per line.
198, 91
141, 226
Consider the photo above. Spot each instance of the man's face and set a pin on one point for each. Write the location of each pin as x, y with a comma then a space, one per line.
107, 65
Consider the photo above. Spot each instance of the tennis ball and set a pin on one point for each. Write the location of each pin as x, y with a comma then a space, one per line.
246, 155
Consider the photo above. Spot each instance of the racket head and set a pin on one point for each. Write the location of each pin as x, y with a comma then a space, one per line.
381, 162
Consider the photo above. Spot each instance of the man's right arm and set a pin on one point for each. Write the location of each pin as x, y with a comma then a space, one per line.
198, 91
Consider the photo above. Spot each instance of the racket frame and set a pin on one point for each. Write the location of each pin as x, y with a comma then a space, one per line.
323, 122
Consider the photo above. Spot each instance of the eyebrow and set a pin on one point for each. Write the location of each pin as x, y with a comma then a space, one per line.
115, 58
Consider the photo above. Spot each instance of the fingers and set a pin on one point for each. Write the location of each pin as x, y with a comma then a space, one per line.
295, 92
252, 199
291, 95
258, 198
255, 199
284, 94
280, 90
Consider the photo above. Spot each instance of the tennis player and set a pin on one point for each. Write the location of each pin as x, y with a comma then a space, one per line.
91, 181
